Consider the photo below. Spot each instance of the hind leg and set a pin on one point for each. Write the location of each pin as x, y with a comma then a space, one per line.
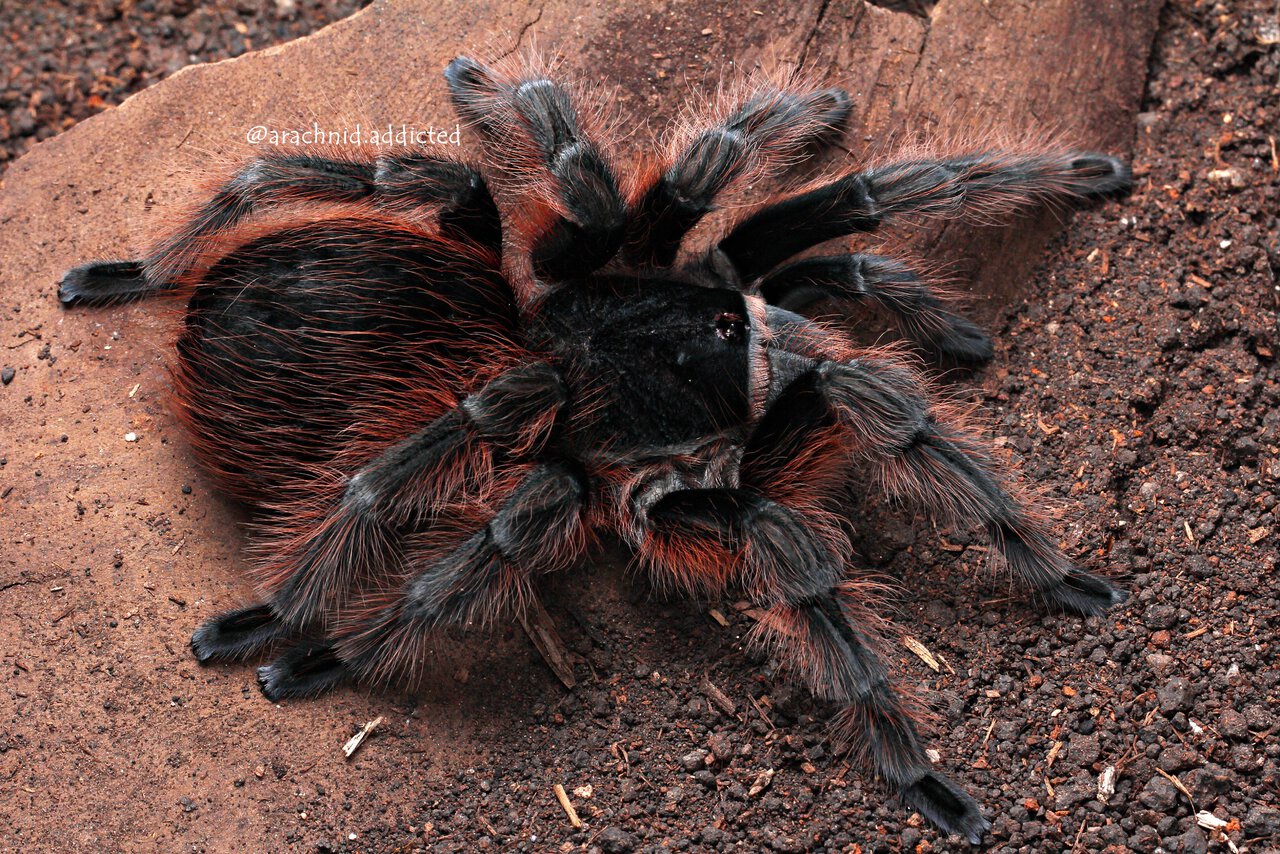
538, 528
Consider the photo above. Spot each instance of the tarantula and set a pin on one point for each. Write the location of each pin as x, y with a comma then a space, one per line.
431, 393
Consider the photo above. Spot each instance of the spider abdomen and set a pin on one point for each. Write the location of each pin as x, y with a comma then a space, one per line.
295, 342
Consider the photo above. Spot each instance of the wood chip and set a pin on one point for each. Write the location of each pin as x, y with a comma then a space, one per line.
1106, 784
1257, 535
1053, 753
563, 798
763, 779
537, 624
1217, 829
719, 618
718, 698
353, 743
922, 651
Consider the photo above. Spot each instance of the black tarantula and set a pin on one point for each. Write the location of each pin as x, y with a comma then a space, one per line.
431, 397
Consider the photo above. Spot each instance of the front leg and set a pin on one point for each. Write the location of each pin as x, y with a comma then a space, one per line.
891, 284
766, 131
921, 452
862, 201
817, 623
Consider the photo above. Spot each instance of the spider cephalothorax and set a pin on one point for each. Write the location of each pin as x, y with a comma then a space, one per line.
431, 397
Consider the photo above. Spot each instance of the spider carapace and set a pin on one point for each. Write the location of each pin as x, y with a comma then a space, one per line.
435, 381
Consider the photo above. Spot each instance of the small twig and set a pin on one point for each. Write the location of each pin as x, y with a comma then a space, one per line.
538, 626
353, 744
1075, 846
922, 651
563, 798
1177, 784
718, 697
986, 738
760, 710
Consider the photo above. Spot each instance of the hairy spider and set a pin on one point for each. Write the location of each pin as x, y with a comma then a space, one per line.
431, 397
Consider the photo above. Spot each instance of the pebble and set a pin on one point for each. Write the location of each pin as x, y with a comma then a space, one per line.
614, 840
1176, 695
1261, 821
1159, 794
1176, 758
1161, 617
1083, 750
1232, 724
694, 760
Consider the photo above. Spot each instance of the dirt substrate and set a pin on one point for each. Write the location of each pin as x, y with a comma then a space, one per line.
1136, 385
64, 61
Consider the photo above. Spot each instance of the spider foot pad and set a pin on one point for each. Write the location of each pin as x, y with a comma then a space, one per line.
236, 635
305, 670
948, 806
1083, 593
103, 283
963, 341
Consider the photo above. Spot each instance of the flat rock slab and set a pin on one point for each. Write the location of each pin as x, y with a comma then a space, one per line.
116, 547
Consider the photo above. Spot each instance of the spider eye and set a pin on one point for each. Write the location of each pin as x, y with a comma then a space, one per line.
731, 327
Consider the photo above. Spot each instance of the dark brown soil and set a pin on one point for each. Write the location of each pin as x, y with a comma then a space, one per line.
1136, 384
63, 61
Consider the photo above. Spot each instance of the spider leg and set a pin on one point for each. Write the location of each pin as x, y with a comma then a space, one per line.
398, 490
238, 634
771, 126
573, 221
821, 636
861, 201
811, 624
921, 452
488, 574
361, 535
889, 283
405, 181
